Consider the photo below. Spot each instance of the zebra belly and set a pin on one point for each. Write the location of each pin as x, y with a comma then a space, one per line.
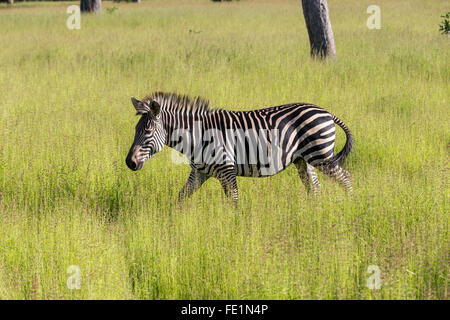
268, 164
256, 171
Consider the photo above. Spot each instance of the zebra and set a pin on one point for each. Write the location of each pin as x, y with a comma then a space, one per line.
298, 133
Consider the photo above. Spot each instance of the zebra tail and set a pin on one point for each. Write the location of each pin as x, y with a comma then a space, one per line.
342, 155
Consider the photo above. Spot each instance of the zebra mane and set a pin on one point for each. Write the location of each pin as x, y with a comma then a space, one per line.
173, 101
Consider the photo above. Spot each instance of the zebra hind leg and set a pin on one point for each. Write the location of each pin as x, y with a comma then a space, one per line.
307, 175
340, 175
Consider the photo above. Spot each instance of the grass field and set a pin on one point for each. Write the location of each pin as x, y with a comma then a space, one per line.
66, 124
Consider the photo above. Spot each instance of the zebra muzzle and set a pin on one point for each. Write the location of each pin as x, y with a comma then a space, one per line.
132, 161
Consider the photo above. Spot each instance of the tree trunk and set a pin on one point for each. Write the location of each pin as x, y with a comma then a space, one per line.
85, 6
91, 6
137, 1
10, 1
97, 6
319, 28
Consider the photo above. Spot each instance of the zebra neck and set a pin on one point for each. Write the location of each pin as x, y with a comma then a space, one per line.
178, 124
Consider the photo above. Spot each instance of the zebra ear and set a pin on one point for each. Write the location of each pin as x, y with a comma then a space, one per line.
155, 108
140, 107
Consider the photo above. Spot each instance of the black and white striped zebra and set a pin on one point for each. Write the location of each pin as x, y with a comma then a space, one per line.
225, 144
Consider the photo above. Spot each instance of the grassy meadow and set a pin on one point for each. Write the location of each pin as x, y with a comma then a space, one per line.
66, 125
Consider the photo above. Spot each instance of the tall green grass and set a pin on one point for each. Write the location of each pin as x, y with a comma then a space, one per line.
66, 123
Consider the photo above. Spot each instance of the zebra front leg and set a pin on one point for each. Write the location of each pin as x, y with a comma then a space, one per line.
194, 181
308, 175
228, 181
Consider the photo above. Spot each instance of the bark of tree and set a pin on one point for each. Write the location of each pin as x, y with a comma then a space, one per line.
91, 6
97, 6
138, 1
10, 1
318, 24
85, 6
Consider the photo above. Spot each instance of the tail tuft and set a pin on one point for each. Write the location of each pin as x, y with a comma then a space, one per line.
342, 155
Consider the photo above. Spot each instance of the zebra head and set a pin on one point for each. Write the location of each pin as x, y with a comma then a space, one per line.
150, 134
